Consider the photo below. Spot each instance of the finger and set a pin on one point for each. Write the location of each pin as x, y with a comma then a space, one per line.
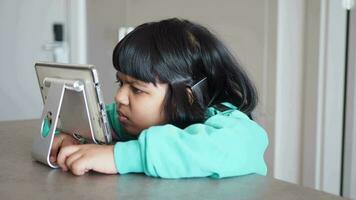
60, 142
57, 141
69, 142
73, 157
80, 166
64, 153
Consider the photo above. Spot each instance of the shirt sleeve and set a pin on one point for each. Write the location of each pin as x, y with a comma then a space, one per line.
225, 145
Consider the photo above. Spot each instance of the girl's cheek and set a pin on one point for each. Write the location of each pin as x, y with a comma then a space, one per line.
141, 122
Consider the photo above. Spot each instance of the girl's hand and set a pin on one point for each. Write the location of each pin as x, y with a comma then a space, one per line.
60, 141
82, 158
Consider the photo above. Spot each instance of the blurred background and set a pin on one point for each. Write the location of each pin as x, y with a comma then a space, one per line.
301, 54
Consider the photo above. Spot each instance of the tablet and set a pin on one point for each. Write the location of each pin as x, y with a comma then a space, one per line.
82, 114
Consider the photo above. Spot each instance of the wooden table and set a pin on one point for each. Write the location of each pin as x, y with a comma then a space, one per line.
23, 178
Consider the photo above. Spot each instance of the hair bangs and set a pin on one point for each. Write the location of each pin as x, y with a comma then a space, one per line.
132, 56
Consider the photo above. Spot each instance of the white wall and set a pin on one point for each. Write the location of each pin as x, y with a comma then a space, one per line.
103, 21
25, 26
289, 90
310, 89
324, 96
76, 19
349, 182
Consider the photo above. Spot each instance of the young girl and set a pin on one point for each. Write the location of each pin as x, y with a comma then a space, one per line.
182, 109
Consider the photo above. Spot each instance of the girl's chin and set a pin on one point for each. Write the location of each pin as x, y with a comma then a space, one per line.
131, 130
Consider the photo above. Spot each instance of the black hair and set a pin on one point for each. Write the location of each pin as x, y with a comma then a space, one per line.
182, 53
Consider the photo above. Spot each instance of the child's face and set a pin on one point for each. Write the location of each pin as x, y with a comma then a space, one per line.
139, 104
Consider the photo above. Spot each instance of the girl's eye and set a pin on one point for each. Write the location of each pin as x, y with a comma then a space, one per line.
135, 90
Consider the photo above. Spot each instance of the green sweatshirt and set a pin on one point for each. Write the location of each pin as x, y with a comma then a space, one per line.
227, 144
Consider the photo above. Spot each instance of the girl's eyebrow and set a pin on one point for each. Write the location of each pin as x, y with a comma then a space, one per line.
131, 81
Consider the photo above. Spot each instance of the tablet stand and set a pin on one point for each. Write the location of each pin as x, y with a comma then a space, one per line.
42, 145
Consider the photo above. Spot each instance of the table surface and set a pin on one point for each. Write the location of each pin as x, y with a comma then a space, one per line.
23, 178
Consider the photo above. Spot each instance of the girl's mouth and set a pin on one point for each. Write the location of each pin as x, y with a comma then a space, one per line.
122, 117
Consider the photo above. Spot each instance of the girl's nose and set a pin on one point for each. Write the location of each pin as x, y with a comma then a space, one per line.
122, 96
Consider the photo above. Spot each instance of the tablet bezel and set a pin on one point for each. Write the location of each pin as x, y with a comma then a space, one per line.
97, 113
